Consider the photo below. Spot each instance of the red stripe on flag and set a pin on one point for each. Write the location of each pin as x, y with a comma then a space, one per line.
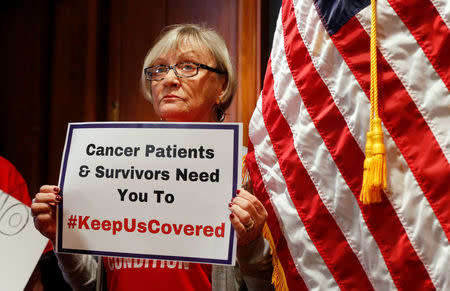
409, 130
392, 241
319, 223
293, 278
430, 31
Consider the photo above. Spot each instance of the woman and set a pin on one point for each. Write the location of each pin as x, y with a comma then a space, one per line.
188, 77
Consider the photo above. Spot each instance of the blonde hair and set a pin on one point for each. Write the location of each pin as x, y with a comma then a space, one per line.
174, 35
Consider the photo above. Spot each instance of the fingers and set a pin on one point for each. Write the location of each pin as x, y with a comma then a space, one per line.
43, 205
243, 194
43, 210
46, 198
40, 208
49, 189
236, 223
248, 208
244, 210
48, 194
248, 216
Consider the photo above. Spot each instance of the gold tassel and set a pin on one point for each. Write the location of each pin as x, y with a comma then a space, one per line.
278, 276
374, 176
364, 197
377, 167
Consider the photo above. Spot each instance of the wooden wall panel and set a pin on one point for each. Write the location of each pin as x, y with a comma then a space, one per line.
133, 27
24, 80
220, 15
249, 66
76, 87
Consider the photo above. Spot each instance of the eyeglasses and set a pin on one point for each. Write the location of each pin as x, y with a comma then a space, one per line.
181, 70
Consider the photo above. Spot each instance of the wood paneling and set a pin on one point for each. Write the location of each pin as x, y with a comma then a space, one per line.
24, 79
249, 65
133, 27
76, 87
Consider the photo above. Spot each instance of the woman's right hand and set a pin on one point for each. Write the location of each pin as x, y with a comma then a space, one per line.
43, 209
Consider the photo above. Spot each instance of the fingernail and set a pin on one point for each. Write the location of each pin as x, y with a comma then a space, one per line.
231, 215
58, 198
230, 204
238, 191
56, 189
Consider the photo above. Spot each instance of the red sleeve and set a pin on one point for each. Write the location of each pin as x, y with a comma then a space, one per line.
12, 182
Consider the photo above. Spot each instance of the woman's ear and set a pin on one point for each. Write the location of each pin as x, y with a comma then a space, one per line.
223, 86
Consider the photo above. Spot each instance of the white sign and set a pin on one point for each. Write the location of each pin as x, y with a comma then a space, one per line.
21, 245
150, 190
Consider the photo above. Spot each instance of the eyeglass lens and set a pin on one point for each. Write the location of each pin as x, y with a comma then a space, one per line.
186, 70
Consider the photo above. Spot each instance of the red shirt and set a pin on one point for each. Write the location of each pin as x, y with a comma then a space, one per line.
141, 274
12, 183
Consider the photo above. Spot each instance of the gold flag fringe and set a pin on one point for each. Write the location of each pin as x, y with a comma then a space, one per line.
245, 174
278, 276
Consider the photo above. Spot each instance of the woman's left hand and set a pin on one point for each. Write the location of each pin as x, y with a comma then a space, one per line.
248, 216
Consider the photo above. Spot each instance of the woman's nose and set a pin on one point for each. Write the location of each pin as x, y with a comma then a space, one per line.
171, 78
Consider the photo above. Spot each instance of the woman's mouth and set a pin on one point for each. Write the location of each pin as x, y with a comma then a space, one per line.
171, 97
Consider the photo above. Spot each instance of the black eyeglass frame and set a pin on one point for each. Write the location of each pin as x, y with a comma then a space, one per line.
168, 68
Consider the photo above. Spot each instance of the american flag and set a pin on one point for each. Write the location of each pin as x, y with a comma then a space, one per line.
307, 138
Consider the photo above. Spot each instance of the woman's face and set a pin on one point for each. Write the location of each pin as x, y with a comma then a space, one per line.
187, 99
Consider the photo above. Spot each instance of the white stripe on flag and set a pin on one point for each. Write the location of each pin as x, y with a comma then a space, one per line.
306, 258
